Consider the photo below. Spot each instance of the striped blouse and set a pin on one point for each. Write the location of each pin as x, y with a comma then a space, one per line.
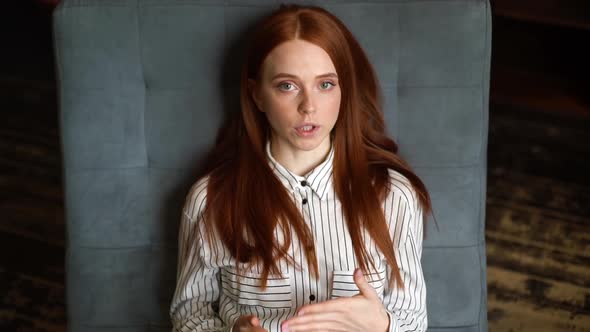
209, 296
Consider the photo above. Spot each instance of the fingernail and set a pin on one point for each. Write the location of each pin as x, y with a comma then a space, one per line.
358, 273
285, 328
300, 313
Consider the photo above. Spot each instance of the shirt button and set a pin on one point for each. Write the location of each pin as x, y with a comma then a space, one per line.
312, 297
304, 201
303, 183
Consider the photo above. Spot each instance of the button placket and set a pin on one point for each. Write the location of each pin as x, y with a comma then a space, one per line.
304, 188
297, 195
307, 191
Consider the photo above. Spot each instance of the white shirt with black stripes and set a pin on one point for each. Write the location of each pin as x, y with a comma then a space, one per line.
210, 296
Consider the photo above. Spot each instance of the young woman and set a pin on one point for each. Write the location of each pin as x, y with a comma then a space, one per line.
307, 219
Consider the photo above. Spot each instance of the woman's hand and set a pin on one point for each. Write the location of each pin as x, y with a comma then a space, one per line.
248, 323
362, 312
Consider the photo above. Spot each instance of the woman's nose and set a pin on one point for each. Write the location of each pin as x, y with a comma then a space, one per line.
307, 104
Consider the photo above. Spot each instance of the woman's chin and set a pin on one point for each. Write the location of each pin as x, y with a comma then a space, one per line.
308, 145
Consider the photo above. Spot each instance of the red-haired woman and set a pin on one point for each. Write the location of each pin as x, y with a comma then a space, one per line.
307, 219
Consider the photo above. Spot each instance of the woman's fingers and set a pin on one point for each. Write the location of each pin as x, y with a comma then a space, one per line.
317, 321
249, 323
365, 289
254, 321
362, 312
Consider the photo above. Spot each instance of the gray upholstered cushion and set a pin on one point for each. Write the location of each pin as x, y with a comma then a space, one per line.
143, 86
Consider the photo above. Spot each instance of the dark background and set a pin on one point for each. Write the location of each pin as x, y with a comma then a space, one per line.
538, 194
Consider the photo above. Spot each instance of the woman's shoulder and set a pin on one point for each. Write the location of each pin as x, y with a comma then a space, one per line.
400, 186
404, 197
196, 198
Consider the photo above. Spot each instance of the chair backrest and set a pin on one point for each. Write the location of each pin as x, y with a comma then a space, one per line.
143, 87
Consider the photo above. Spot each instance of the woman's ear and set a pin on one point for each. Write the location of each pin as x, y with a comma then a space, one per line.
254, 92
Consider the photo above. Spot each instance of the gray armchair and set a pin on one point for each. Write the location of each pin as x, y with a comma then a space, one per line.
144, 85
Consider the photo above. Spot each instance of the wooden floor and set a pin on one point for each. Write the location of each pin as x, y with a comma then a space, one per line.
538, 216
31, 206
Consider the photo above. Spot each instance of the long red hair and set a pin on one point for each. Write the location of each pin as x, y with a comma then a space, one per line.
363, 153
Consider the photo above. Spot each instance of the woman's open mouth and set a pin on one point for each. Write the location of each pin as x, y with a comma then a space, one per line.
307, 130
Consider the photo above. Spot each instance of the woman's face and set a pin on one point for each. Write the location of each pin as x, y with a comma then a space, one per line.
299, 92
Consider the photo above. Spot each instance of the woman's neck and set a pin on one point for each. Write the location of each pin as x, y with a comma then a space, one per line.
300, 162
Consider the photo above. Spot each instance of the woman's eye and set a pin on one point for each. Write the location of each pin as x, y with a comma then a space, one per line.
326, 85
285, 86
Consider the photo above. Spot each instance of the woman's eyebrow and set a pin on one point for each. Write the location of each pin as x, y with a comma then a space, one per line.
285, 75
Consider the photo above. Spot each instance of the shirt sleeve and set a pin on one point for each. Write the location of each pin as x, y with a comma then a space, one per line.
407, 307
193, 307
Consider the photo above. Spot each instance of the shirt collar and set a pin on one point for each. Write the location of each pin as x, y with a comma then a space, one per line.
319, 179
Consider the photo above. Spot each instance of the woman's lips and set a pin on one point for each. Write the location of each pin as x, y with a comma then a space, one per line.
307, 130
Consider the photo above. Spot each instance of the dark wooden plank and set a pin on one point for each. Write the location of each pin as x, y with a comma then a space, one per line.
571, 13
29, 303
518, 302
